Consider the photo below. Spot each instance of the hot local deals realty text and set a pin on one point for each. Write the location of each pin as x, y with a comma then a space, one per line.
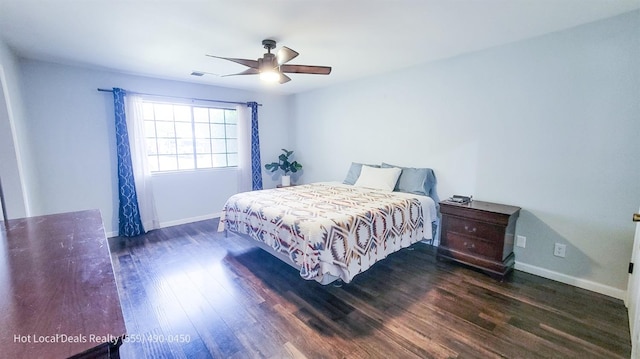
64, 338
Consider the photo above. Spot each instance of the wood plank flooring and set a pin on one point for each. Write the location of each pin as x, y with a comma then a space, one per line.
190, 292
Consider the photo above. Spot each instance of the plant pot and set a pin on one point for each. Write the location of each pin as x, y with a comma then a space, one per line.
286, 181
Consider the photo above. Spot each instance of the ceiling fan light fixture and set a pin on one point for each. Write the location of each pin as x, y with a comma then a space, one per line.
270, 75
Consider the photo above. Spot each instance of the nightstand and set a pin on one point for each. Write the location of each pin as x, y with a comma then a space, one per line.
479, 234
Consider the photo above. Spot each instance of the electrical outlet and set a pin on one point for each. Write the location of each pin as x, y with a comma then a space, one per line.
521, 241
560, 250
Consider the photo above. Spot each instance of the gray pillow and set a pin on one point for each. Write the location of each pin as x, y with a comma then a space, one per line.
354, 172
415, 180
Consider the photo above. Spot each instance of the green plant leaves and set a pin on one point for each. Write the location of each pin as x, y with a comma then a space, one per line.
284, 164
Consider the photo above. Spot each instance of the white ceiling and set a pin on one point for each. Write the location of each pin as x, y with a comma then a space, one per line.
169, 39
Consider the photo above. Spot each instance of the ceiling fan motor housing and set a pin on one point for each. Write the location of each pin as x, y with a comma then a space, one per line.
268, 62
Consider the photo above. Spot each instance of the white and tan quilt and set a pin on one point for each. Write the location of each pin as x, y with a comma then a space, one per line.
331, 228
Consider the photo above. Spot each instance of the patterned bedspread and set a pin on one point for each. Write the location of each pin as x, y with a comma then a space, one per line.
328, 228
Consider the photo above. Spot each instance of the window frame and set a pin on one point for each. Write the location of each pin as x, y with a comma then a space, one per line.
154, 157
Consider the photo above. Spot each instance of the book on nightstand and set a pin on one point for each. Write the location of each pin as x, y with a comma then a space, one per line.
459, 199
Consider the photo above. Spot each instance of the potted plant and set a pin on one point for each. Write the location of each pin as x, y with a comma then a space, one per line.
285, 165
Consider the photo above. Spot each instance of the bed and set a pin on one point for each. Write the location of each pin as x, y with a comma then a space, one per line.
329, 230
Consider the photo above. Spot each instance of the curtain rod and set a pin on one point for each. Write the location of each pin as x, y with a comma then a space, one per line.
183, 98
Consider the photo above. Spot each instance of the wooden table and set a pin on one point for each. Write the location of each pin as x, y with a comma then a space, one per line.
59, 297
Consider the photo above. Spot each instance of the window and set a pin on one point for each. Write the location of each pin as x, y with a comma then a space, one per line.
186, 137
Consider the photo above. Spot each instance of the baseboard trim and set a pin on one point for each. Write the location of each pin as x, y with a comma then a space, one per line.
190, 220
574, 281
178, 222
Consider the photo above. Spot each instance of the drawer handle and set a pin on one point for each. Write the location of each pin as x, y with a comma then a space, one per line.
468, 245
472, 230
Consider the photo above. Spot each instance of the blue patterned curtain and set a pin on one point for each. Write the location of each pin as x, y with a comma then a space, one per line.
256, 167
130, 223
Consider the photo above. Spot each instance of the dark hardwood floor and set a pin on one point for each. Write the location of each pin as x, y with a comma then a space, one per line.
189, 292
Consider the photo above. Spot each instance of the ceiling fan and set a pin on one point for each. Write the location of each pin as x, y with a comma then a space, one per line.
272, 67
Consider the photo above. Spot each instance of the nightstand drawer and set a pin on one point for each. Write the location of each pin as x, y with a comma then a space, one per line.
486, 231
473, 245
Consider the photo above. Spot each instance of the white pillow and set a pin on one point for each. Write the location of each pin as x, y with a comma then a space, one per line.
378, 178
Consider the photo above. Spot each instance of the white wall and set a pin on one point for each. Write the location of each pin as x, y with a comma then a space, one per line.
11, 117
551, 124
71, 129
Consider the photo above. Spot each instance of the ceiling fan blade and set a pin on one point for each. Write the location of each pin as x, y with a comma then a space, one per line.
245, 62
285, 55
284, 78
250, 71
304, 69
